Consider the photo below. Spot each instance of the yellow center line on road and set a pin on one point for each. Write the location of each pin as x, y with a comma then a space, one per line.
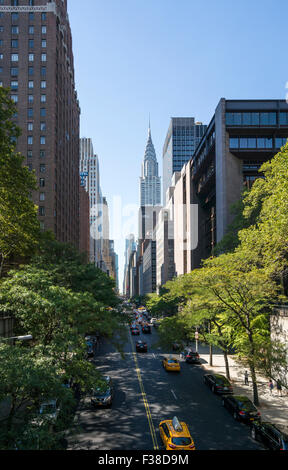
144, 396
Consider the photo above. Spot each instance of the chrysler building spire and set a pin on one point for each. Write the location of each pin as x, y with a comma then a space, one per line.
150, 181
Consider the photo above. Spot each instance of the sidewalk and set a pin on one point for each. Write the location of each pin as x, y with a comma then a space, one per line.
273, 408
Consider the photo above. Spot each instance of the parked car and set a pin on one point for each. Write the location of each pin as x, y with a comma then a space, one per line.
141, 346
175, 435
146, 328
190, 356
269, 435
218, 383
241, 408
90, 349
103, 394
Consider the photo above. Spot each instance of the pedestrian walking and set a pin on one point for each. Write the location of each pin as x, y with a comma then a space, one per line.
246, 381
271, 386
279, 387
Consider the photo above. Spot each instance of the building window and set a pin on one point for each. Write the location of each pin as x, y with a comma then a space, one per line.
42, 140
43, 112
42, 196
29, 154
43, 57
14, 86
43, 16
42, 168
31, 29
42, 183
44, 43
30, 84
30, 140
42, 153
30, 112
31, 3
43, 72
14, 98
42, 126
283, 119
43, 99
41, 211
31, 43
31, 57
31, 16
30, 126
14, 17
44, 29
14, 71
14, 43
14, 57
30, 71
1, 56
30, 99
14, 29
43, 84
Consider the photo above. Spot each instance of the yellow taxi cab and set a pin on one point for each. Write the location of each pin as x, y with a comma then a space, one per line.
171, 364
175, 435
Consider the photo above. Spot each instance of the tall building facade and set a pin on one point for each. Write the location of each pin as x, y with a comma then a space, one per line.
183, 136
240, 137
90, 178
36, 62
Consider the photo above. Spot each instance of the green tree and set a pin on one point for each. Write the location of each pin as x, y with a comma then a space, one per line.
19, 227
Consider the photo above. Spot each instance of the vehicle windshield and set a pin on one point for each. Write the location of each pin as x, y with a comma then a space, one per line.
48, 409
181, 441
172, 361
246, 405
221, 380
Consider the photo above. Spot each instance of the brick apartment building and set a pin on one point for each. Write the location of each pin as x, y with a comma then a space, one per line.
36, 62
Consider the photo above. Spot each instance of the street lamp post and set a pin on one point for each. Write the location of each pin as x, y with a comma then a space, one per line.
196, 338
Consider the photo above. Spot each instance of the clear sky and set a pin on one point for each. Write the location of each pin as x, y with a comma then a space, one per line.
167, 58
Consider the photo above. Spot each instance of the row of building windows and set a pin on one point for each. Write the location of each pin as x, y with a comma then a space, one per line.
31, 29
31, 57
256, 119
257, 142
30, 140
31, 15
31, 43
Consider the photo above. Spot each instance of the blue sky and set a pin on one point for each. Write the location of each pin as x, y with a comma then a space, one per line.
167, 58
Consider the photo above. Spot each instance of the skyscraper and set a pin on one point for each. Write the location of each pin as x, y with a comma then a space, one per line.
150, 182
37, 64
90, 176
183, 136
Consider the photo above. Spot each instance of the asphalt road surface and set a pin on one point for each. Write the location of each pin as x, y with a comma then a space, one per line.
145, 394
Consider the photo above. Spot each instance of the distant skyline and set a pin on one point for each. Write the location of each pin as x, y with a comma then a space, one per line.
167, 59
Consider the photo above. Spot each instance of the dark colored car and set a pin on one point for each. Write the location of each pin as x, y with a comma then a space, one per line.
103, 394
90, 349
241, 407
218, 383
141, 346
146, 328
269, 435
135, 331
190, 356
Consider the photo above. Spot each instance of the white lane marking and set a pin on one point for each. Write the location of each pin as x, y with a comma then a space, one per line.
173, 393
154, 356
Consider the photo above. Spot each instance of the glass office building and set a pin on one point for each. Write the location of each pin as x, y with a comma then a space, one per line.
183, 136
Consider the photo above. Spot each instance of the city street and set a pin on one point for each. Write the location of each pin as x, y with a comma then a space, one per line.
145, 394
